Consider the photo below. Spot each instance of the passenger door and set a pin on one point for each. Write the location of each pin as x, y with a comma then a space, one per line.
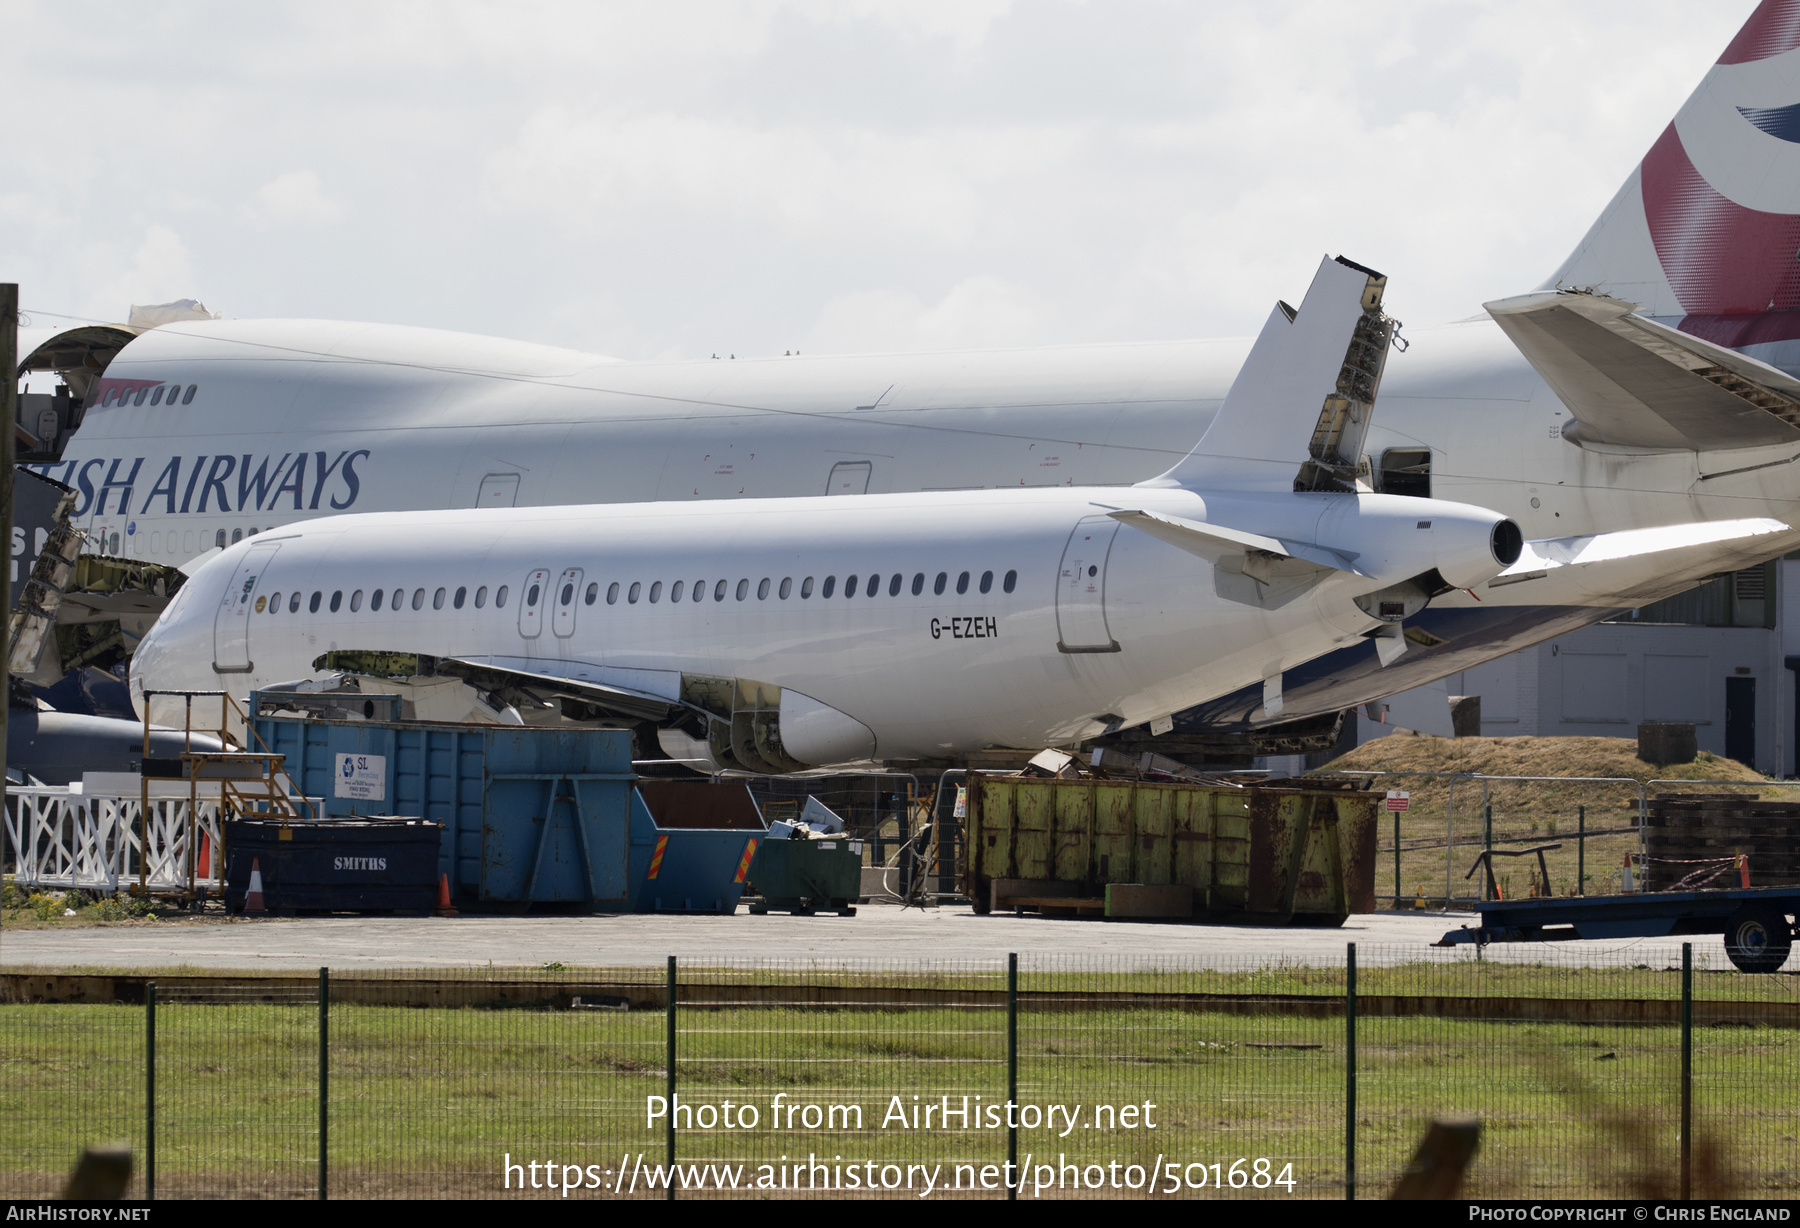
531, 603
498, 490
1081, 588
849, 478
568, 597
231, 625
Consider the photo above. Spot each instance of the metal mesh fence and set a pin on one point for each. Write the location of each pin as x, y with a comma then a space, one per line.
1064, 1076
70, 1075
237, 1090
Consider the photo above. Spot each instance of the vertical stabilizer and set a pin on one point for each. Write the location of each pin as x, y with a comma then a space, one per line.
1297, 413
1705, 233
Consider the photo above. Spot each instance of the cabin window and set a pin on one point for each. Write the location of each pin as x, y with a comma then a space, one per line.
593, 593
219, 539
275, 603
612, 593
399, 599
849, 586
719, 591
675, 592
918, 584
531, 595
699, 590
568, 595
987, 581
481, 596
418, 601
157, 396
762, 590
189, 398
830, 583
937, 585
743, 589
142, 393
630, 597
375, 598
312, 607
500, 598
293, 603
962, 583
1011, 581
806, 588
356, 601
437, 599
237, 535
461, 595
174, 391
656, 592
895, 583
787, 586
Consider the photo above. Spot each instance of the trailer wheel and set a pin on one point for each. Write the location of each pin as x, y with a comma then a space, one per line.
1757, 940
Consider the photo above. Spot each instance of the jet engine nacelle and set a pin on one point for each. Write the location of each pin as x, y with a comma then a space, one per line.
1396, 537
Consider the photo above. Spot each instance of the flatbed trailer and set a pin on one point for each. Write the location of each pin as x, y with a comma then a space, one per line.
1757, 922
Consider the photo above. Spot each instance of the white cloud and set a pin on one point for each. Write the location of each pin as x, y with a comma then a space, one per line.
160, 270
746, 176
977, 312
295, 199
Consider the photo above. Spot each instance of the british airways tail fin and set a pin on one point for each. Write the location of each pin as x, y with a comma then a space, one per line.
1297, 412
1705, 234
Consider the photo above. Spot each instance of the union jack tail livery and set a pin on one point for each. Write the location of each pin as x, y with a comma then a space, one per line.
1705, 234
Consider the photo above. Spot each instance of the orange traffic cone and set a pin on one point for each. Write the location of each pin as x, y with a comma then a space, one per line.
203, 868
444, 908
253, 901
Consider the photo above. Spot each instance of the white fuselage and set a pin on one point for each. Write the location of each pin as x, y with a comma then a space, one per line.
1143, 628
294, 420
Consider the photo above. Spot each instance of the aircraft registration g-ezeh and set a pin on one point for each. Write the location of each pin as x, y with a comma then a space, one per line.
1647, 395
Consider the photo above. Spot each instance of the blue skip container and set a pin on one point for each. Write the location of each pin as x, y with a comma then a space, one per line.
532, 816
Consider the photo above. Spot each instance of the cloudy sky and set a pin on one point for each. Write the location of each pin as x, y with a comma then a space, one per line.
674, 179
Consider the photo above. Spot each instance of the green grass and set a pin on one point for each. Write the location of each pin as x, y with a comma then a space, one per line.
1645, 972
427, 1101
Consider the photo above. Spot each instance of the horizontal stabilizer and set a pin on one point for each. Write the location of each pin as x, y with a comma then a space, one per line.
1630, 380
1547, 554
1207, 540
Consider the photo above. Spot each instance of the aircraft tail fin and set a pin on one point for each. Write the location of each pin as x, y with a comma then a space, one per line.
1704, 233
1297, 413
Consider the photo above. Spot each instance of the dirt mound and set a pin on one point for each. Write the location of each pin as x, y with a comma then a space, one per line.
1530, 757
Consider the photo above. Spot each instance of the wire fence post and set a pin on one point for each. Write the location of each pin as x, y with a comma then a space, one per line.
1687, 1069
1350, 1071
1449, 839
1396, 859
324, 1081
149, 1091
1581, 850
669, 1083
1487, 845
1012, 1076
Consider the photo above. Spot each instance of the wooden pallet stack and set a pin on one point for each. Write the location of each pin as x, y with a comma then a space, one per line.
1688, 828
